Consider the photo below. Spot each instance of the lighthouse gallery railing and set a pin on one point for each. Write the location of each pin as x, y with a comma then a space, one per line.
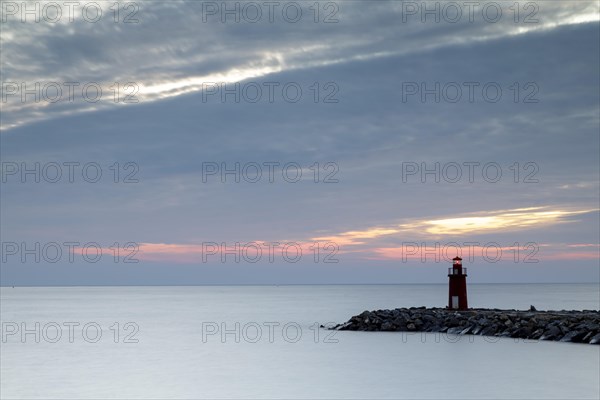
456, 271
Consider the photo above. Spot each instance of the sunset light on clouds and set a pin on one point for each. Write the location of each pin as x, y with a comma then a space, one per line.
365, 244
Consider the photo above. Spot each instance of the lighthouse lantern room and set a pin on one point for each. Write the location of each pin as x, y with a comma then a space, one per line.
457, 285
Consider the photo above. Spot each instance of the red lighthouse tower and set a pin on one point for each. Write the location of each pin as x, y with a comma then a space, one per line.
457, 286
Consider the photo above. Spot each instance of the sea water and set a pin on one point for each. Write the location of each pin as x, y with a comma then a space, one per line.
265, 342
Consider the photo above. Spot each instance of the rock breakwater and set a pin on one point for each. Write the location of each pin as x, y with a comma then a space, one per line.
563, 326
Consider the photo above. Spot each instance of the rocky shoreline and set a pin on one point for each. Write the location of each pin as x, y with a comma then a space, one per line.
562, 326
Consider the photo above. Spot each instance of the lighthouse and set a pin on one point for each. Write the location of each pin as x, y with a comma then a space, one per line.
457, 285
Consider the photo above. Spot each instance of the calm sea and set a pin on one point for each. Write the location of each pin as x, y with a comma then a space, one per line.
264, 342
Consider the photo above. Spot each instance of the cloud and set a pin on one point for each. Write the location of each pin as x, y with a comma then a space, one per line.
485, 222
170, 53
496, 221
356, 237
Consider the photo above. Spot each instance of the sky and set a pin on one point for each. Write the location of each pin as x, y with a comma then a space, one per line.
348, 142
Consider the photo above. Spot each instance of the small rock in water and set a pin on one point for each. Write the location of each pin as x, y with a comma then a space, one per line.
571, 337
595, 339
466, 330
387, 326
551, 333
